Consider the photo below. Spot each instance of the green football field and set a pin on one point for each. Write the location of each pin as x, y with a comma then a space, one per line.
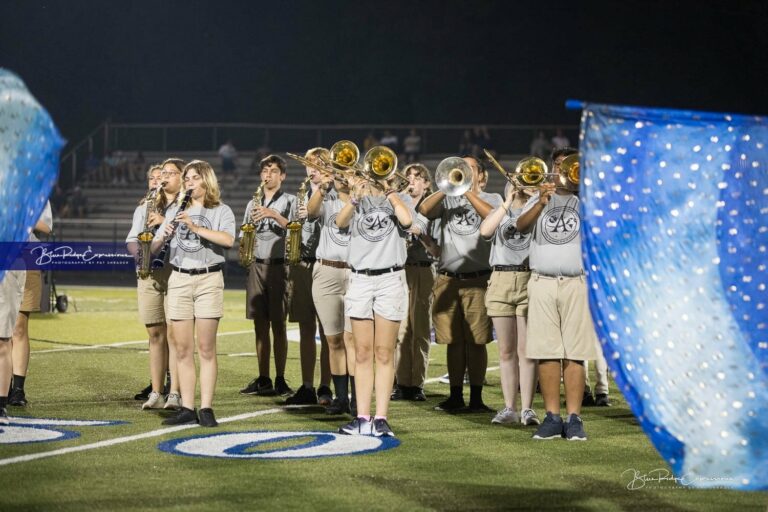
88, 363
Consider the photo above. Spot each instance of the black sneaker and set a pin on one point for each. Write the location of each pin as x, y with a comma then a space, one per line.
451, 405
143, 395
381, 428
356, 427
479, 407
184, 416
397, 394
574, 429
338, 407
17, 397
4, 416
207, 419
588, 400
303, 396
281, 387
418, 395
259, 386
552, 428
324, 396
601, 400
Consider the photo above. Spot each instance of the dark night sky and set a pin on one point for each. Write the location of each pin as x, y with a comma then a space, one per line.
380, 62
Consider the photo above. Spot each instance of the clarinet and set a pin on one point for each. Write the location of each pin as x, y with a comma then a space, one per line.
159, 261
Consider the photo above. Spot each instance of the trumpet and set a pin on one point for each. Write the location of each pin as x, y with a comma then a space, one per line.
247, 250
453, 176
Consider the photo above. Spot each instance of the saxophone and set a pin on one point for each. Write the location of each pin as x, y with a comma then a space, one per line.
247, 248
146, 236
294, 228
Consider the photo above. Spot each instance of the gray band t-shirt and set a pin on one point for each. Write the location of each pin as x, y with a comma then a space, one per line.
378, 240
270, 237
334, 242
463, 249
556, 236
510, 246
188, 250
46, 218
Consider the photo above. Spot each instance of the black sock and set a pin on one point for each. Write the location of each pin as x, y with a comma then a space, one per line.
476, 394
3, 402
352, 387
457, 393
18, 381
340, 383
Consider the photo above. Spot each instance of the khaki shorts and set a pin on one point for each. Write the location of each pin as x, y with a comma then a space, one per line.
458, 310
198, 296
33, 291
301, 308
11, 293
153, 296
385, 295
559, 323
329, 284
266, 296
507, 294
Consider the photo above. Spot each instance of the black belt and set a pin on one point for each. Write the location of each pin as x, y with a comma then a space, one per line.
270, 261
466, 275
511, 268
197, 271
558, 276
377, 271
420, 264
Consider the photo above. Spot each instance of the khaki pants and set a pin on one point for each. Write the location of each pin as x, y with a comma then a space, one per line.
601, 369
413, 339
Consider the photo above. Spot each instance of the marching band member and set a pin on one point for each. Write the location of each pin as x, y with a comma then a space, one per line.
458, 309
376, 298
266, 294
33, 292
302, 308
507, 303
560, 331
152, 292
412, 358
11, 293
196, 285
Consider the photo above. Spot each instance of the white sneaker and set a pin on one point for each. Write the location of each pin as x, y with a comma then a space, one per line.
506, 416
528, 417
173, 401
155, 401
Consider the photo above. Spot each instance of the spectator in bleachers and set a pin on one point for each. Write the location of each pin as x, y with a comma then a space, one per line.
76, 205
412, 146
228, 154
540, 146
560, 140
390, 140
465, 144
481, 139
136, 168
92, 167
370, 141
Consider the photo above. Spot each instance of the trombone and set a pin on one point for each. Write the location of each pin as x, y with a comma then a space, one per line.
322, 166
530, 172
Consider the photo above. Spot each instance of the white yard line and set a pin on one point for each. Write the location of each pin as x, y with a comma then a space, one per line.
128, 439
432, 381
119, 344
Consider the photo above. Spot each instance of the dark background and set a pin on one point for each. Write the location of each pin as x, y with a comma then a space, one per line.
380, 62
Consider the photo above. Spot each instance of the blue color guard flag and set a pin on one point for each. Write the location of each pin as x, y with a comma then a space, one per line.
675, 240
29, 163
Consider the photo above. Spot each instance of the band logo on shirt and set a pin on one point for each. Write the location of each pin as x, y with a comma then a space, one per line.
339, 236
561, 225
512, 238
376, 224
268, 229
186, 239
464, 221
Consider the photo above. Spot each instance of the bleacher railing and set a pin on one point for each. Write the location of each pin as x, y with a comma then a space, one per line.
253, 137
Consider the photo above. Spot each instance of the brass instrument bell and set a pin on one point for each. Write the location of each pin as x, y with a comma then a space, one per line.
380, 163
571, 174
345, 155
453, 176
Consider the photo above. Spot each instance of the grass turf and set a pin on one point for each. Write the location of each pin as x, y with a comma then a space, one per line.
444, 462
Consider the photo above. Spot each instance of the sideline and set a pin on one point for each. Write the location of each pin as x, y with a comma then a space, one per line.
135, 437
